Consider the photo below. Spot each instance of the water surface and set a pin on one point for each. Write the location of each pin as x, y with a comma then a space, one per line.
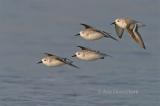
28, 28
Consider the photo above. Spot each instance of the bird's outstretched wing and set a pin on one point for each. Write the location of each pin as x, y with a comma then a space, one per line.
73, 65
133, 31
48, 54
86, 26
108, 35
67, 61
119, 31
85, 48
52, 55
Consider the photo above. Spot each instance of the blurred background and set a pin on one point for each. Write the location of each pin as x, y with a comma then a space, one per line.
28, 28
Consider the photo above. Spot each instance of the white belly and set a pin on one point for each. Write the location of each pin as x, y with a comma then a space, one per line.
55, 63
92, 36
90, 57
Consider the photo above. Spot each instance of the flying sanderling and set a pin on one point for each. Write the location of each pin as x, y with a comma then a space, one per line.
54, 61
132, 28
89, 54
91, 33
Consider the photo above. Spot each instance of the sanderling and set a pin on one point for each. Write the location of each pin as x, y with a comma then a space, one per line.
54, 61
132, 28
89, 54
90, 33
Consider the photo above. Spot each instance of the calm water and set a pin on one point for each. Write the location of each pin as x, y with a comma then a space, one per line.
28, 28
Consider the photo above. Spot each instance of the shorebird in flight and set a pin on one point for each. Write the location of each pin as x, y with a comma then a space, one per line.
132, 27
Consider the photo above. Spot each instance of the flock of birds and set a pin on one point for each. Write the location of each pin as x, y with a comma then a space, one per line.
91, 33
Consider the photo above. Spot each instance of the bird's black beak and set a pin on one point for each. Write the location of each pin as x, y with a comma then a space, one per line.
113, 23
39, 62
74, 55
77, 34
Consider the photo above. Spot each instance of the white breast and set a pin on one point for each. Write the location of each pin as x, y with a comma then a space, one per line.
121, 22
89, 56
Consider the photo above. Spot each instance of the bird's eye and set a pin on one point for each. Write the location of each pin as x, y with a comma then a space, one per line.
78, 53
117, 20
44, 60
